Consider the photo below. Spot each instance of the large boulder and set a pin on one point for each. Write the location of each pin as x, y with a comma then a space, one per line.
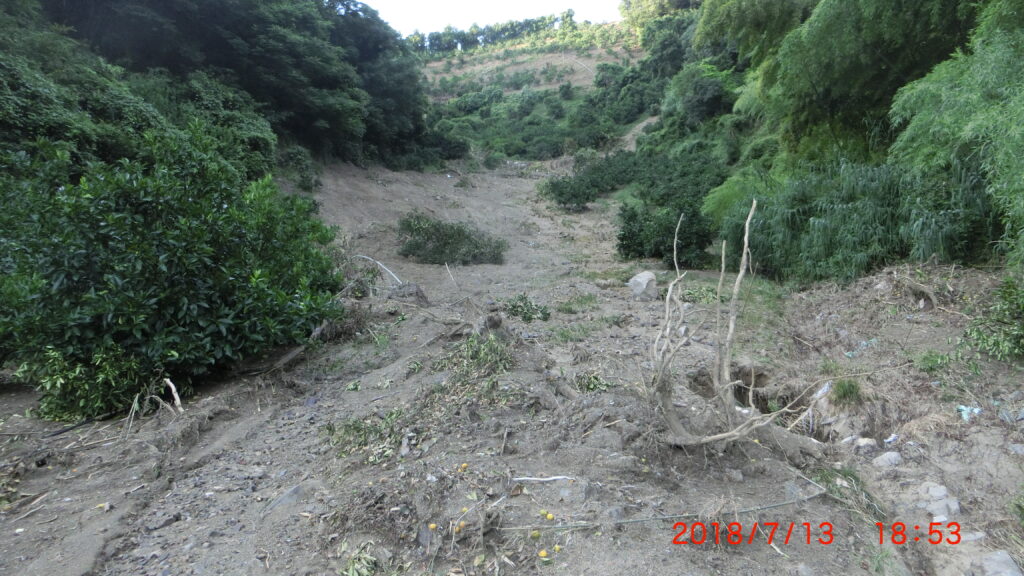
644, 286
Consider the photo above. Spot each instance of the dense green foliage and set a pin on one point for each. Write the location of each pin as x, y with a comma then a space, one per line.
330, 74
870, 131
1000, 332
593, 175
164, 264
142, 236
434, 241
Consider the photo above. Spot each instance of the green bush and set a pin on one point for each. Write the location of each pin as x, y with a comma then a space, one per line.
435, 242
520, 306
649, 232
296, 162
167, 264
841, 220
592, 176
1000, 331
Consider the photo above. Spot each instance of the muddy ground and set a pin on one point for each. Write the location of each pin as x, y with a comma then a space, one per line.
382, 453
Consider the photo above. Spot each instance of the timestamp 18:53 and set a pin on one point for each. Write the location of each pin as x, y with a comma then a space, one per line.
934, 533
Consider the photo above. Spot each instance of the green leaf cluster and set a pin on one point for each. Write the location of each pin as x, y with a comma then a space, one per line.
167, 264
434, 241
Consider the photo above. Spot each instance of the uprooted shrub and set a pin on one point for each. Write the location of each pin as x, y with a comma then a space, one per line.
113, 276
433, 241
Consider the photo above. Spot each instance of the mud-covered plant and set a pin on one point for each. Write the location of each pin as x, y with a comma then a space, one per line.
1000, 331
590, 382
522, 307
375, 436
433, 241
476, 358
578, 303
932, 362
1017, 507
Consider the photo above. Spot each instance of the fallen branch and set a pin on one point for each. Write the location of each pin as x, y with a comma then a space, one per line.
549, 479
383, 267
174, 394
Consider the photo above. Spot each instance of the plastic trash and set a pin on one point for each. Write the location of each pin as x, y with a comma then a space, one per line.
967, 411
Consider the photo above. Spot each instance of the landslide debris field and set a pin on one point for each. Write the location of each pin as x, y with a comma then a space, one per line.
438, 433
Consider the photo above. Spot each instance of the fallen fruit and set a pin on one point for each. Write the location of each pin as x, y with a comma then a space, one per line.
550, 516
535, 535
543, 553
558, 548
432, 526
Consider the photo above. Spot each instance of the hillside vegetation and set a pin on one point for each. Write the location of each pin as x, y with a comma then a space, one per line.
144, 235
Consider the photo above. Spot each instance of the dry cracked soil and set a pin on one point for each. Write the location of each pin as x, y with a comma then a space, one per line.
395, 451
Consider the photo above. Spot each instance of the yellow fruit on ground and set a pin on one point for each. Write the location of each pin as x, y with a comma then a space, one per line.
432, 526
550, 516
535, 535
558, 548
543, 553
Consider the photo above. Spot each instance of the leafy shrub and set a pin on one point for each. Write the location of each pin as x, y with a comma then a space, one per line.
296, 162
476, 358
649, 232
1000, 331
841, 220
435, 242
162, 265
592, 176
846, 392
522, 307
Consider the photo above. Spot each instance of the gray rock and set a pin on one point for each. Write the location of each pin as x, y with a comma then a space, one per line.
947, 507
888, 460
802, 570
734, 475
1017, 449
294, 496
933, 491
409, 292
998, 563
162, 521
616, 513
644, 286
865, 446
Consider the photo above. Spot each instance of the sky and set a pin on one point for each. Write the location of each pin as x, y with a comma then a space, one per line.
432, 16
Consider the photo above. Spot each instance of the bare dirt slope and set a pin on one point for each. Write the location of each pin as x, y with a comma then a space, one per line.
377, 454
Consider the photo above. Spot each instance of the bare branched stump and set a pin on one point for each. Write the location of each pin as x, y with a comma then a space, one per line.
675, 333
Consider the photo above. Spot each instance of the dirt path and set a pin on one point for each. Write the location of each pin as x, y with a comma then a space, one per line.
357, 451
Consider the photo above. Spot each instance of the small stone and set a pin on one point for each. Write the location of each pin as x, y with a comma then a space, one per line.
803, 570
998, 563
947, 507
163, 521
734, 475
1017, 449
888, 460
938, 492
616, 513
865, 446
